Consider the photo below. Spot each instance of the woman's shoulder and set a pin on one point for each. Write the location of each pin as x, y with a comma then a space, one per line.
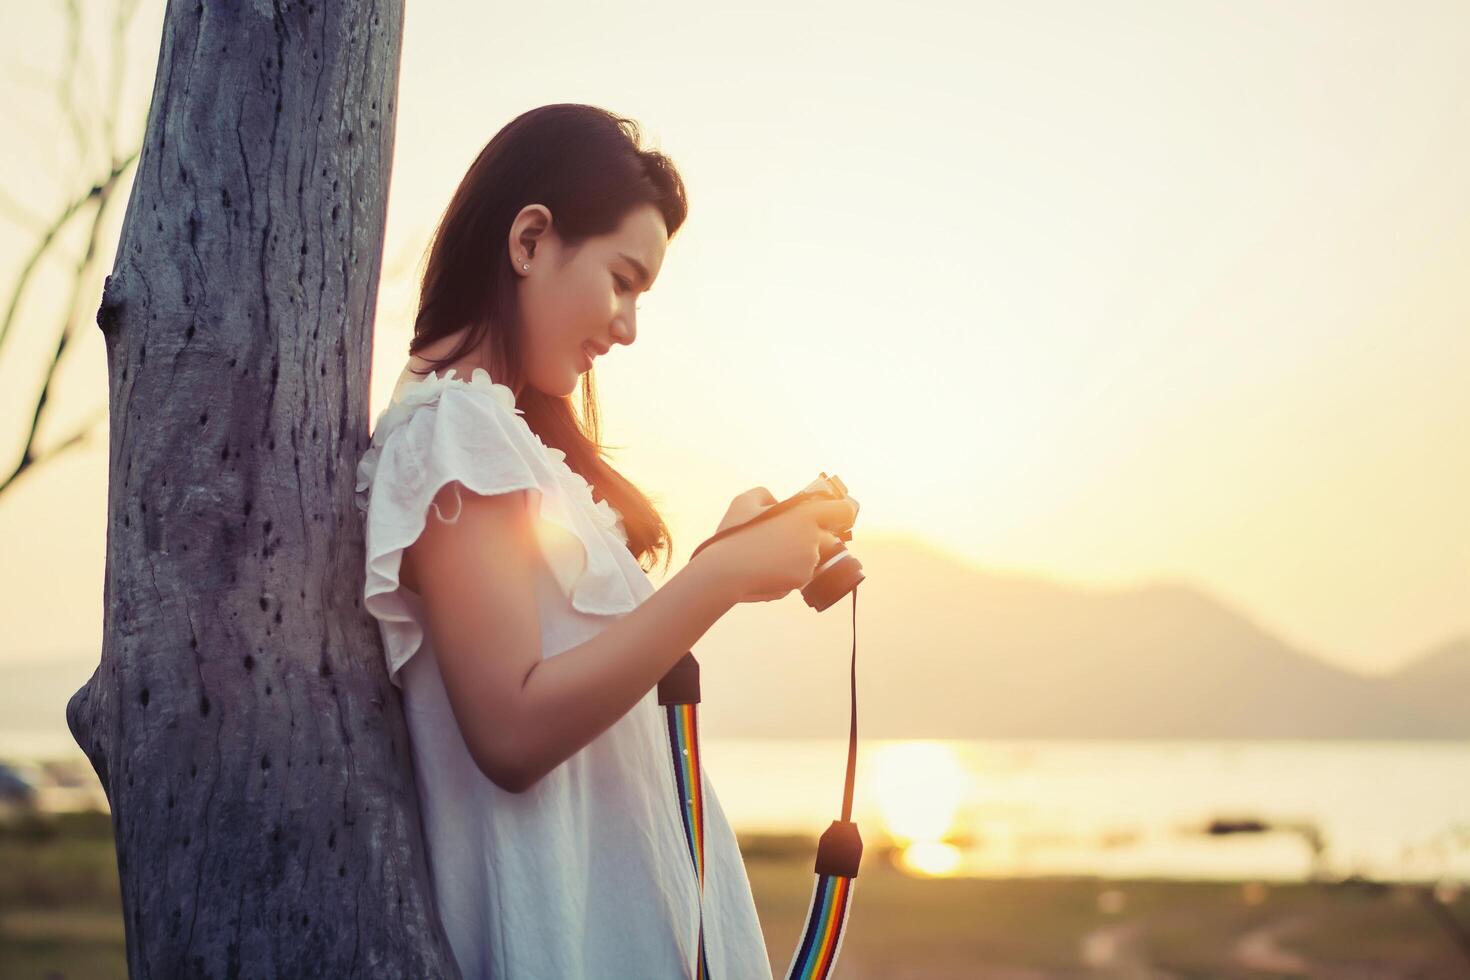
447, 433
450, 423
447, 426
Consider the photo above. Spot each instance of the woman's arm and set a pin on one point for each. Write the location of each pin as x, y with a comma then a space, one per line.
521, 716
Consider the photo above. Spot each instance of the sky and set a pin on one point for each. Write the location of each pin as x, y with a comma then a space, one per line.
1109, 293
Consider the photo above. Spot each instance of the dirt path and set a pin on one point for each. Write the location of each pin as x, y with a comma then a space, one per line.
1261, 949
1118, 951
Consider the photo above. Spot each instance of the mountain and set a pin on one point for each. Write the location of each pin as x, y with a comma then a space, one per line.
949, 651
1437, 684
946, 650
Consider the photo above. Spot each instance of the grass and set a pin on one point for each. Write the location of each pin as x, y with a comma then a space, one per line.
60, 909
943, 928
61, 918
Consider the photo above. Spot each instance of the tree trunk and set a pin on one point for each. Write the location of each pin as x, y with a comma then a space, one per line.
241, 720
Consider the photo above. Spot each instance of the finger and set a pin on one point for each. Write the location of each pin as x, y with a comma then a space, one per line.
834, 515
761, 495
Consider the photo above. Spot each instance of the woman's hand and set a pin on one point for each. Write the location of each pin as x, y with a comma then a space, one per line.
744, 507
774, 556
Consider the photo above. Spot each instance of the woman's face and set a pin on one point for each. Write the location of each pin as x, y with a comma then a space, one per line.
577, 303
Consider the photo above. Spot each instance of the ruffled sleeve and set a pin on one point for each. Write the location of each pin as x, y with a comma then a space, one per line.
444, 430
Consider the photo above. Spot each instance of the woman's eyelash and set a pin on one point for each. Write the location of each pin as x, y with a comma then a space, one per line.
626, 285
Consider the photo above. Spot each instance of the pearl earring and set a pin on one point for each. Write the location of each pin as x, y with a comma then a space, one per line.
526, 267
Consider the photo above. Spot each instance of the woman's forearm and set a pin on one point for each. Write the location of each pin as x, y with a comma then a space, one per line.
569, 699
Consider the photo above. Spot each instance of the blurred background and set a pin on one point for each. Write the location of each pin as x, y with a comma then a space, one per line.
1140, 330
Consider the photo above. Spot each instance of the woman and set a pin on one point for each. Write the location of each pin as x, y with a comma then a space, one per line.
506, 566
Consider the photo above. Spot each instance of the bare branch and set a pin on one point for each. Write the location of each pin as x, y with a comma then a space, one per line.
66, 93
75, 73
29, 456
75, 439
98, 192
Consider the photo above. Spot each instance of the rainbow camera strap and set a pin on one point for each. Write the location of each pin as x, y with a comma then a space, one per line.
838, 853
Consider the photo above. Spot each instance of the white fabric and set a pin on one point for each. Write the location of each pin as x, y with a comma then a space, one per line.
587, 873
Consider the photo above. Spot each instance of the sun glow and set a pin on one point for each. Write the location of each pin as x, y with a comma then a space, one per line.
918, 786
931, 858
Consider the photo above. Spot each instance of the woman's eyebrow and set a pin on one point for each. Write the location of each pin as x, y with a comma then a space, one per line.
642, 272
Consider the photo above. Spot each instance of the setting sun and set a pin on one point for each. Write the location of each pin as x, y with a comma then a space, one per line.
918, 787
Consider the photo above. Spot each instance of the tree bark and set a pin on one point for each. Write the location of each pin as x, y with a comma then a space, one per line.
241, 720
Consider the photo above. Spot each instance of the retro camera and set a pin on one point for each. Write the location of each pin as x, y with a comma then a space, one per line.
838, 571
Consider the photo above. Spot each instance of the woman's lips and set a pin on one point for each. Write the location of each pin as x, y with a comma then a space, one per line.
586, 357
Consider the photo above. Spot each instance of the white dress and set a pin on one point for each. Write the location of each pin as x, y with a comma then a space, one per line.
587, 873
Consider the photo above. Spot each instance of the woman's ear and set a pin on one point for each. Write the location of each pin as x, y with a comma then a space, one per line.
530, 228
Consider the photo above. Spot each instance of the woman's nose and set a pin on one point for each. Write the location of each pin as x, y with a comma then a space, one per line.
624, 330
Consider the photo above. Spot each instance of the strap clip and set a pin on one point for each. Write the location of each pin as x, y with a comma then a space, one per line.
840, 850
681, 684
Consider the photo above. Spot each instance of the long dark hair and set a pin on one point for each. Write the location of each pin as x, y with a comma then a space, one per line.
586, 165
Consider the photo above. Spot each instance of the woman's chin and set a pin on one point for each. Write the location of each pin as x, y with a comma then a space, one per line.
564, 384
577, 373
